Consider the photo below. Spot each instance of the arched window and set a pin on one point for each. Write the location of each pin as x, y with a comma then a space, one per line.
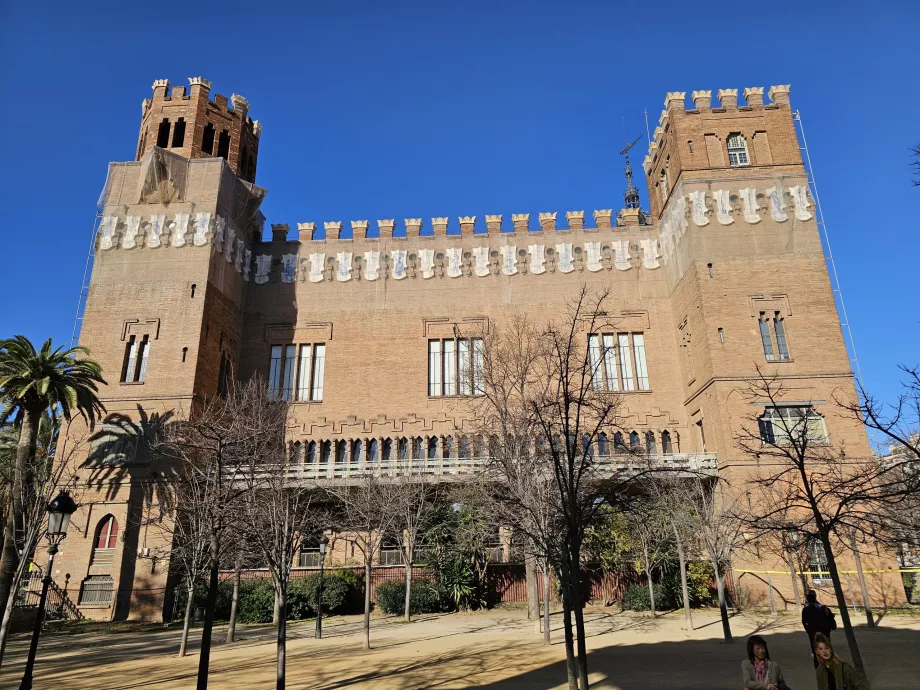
602, 445
737, 151
418, 448
402, 449
107, 532
448, 444
633, 440
311, 452
618, 442
587, 445
651, 445
297, 453
666, 446
341, 451
464, 447
326, 451
433, 448
372, 450
479, 447
357, 450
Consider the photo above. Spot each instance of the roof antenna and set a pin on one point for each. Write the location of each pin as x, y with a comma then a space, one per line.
632, 194
647, 135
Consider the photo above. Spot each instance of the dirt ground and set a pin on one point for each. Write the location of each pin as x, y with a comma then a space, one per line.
496, 649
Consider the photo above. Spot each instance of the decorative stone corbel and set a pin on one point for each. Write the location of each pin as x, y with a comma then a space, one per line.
698, 207
288, 268
398, 257
317, 266
723, 206
650, 253
566, 257
777, 205
509, 259
179, 231
426, 262
593, 252
107, 231
454, 261
263, 266
537, 259
481, 261
800, 199
749, 204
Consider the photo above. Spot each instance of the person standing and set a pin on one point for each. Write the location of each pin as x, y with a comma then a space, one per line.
757, 671
816, 618
832, 673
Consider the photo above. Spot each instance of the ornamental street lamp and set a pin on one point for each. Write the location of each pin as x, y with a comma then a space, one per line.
59, 512
323, 541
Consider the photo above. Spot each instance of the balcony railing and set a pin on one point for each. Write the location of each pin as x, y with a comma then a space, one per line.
456, 468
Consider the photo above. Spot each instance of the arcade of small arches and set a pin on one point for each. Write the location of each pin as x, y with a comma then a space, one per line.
344, 451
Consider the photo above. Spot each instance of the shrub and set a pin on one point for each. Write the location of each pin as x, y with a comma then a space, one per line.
352, 577
424, 598
302, 595
257, 601
636, 598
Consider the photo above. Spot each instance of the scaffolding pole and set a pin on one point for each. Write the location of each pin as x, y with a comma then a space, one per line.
845, 329
84, 285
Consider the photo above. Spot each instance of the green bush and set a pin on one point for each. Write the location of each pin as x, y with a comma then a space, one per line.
424, 598
352, 577
302, 595
257, 601
636, 598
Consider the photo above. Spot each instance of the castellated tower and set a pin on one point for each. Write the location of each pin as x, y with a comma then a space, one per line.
164, 313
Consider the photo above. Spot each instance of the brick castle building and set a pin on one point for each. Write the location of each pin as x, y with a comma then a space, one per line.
361, 325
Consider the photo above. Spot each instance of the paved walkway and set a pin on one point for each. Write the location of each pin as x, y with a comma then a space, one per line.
495, 650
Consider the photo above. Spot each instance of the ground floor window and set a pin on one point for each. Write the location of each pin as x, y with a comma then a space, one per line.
97, 590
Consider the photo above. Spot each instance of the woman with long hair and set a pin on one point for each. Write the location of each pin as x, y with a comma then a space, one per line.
757, 671
833, 673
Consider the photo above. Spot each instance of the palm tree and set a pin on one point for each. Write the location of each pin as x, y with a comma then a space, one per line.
32, 382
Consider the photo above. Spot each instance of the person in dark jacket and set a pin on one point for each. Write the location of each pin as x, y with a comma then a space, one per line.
832, 673
816, 618
757, 671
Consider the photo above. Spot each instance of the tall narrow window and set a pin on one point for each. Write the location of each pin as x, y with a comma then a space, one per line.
107, 533
641, 367
274, 370
626, 374
357, 450
603, 447
207, 141
402, 449
223, 145
178, 138
143, 357
780, 329
163, 134
666, 445
303, 372
127, 371
633, 441
341, 451
765, 338
372, 450
610, 362
702, 434
325, 452
287, 391
434, 367
737, 151
319, 370
418, 448
450, 367
464, 366
651, 446
594, 359
222, 375
433, 448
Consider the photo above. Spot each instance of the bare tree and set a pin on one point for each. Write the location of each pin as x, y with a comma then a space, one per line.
541, 398
50, 471
648, 525
680, 523
413, 498
368, 516
807, 486
279, 510
212, 450
915, 164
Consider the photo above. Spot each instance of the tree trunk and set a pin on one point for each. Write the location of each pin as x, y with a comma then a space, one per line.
546, 600
276, 613
571, 662
533, 603
579, 620
187, 622
8, 610
282, 634
234, 602
795, 580
683, 576
723, 606
205, 657
367, 603
408, 612
842, 605
25, 452
870, 620
648, 575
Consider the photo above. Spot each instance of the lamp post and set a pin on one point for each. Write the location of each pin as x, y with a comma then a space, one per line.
59, 512
323, 541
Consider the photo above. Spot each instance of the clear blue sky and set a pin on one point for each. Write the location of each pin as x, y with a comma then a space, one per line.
433, 108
